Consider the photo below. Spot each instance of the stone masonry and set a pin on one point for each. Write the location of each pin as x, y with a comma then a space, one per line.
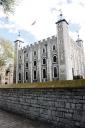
64, 108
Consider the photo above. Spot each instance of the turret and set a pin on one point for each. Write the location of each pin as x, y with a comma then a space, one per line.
65, 71
79, 42
18, 45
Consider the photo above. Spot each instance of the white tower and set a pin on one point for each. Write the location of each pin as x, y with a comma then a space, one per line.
65, 70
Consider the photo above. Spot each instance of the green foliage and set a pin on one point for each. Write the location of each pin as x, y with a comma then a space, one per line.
8, 5
50, 84
6, 52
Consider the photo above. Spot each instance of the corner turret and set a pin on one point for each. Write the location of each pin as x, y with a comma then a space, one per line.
18, 45
63, 44
61, 19
79, 41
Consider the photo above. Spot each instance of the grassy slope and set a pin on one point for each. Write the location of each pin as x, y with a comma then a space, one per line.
49, 84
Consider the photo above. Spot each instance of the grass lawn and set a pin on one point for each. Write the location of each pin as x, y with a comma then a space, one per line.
50, 84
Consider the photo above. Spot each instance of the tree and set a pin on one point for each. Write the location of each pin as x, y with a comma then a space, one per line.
8, 5
6, 52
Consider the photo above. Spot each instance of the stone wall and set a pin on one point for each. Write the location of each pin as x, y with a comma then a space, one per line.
64, 108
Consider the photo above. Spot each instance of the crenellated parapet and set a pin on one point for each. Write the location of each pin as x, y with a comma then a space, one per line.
40, 42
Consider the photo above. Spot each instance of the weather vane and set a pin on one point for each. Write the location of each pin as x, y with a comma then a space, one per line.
60, 13
19, 34
77, 34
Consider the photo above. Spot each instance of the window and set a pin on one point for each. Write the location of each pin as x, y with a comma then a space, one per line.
44, 61
44, 73
34, 75
54, 59
24, 51
55, 72
19, 76
26, 64
20, 57
43, 50
26, 75
53, 47
7, 72
34, 63
34, 53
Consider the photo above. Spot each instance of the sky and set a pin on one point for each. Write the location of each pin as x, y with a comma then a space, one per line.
35, 19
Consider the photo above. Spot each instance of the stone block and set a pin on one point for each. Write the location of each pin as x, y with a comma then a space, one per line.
73, 106
77, 117
79, 106
53, 114
68, 115
83, 97
59, 114
68, 105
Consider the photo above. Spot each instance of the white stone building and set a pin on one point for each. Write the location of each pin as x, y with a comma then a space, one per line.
55, 58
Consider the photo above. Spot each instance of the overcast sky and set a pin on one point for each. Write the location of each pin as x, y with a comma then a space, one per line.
35, 19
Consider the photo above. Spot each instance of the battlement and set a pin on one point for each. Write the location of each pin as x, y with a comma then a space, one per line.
39, 42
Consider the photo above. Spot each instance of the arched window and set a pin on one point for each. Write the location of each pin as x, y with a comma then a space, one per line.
34, 53
53, 47
19, 76
44, 60
55, 72
43, 50
54, 59
20, 57
44, 73
35, 75
26, 75
35, 63
26, 64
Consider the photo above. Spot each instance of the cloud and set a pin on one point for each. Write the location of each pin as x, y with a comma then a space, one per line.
28, 11
41, 10
12, 28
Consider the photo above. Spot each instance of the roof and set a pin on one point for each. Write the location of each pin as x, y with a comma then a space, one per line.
19, 39
62, 21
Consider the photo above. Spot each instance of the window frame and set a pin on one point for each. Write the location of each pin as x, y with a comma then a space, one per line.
34, 53
26, 75
26, 64
55, 76
44, 75
34, 75
54, 47
54, 59
44, 61
20, 77
35, 64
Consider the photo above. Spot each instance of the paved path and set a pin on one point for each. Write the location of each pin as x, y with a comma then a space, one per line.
8, 120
